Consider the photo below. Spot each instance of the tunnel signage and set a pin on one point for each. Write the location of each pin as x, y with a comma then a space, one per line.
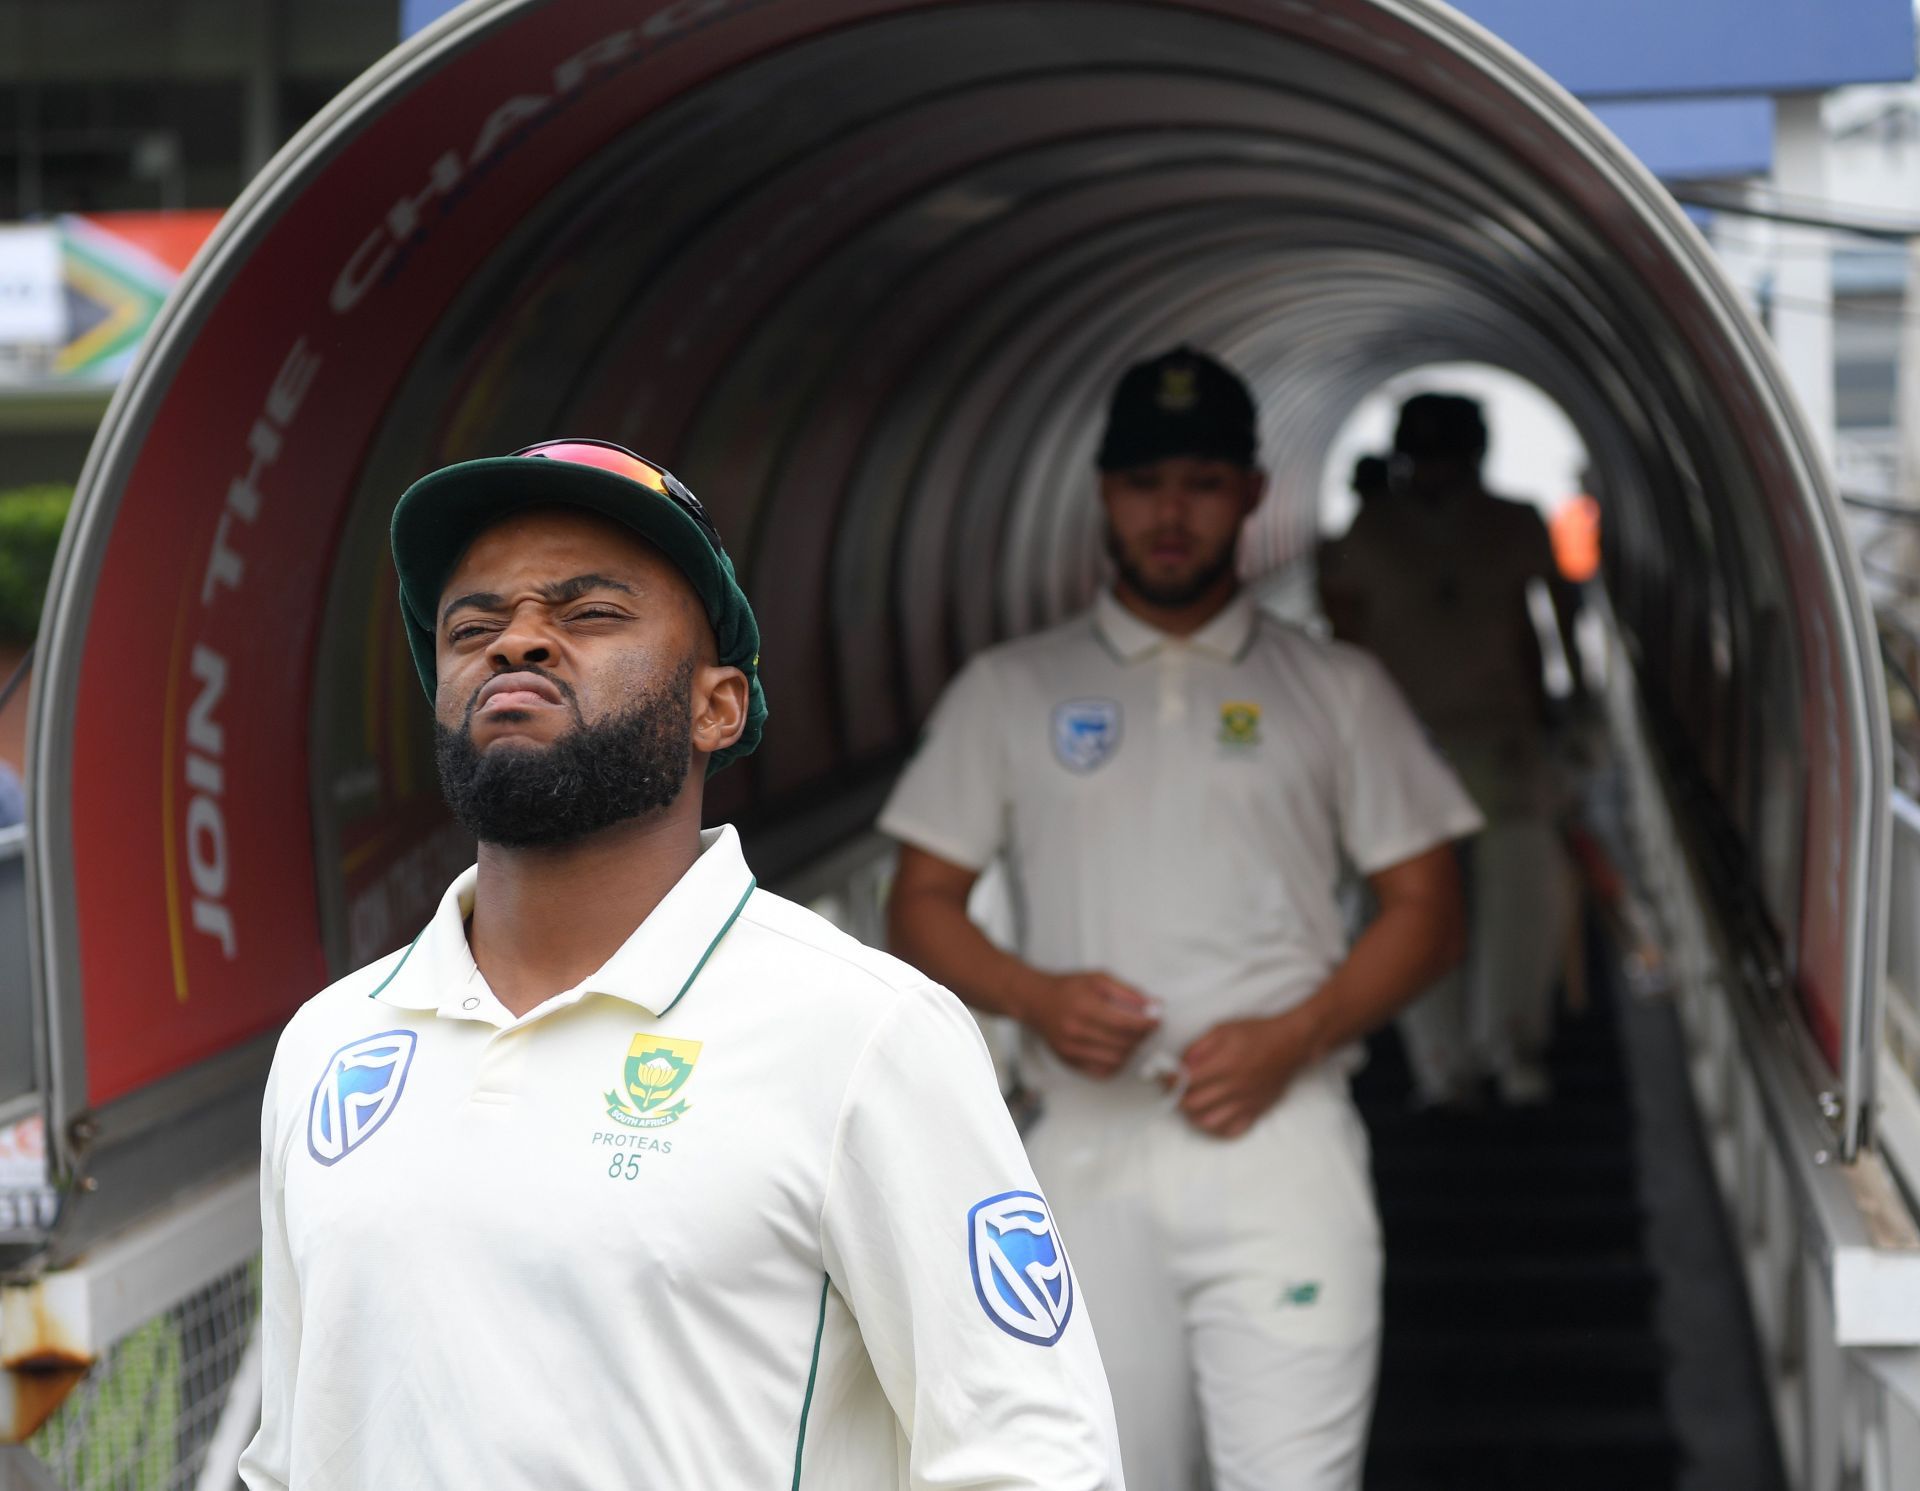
192, 810
199, 834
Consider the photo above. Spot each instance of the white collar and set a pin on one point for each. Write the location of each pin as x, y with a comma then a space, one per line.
1131, 639
653, 968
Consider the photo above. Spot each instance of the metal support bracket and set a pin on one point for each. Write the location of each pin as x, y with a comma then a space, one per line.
54, 1327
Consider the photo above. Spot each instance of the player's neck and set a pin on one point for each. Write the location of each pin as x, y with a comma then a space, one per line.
1185, 619
543, 919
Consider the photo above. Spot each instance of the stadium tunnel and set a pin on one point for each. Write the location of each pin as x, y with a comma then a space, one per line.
862, 271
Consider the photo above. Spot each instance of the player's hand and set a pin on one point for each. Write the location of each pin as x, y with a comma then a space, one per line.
1237, 1071
1092, 1021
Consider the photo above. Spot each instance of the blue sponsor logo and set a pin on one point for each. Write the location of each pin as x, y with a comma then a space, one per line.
1020, 1271
357, 1093
1086, 733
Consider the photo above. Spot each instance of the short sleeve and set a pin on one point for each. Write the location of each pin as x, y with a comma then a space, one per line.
951, 799
1397, 797
936, 1234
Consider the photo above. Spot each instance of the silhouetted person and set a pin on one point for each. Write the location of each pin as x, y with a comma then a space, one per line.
1433, 578
1372, 479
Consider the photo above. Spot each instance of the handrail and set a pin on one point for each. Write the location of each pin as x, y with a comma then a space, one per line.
1898, 1120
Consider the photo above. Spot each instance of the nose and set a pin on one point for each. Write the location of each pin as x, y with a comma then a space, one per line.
525, 639
1170, 504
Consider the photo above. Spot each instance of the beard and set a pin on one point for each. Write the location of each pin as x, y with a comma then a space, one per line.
1170, 593
592, 777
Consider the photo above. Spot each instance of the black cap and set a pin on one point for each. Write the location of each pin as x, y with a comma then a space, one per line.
1181, 403
1441, 424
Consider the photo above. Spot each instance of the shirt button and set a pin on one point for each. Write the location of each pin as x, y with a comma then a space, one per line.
469, 1004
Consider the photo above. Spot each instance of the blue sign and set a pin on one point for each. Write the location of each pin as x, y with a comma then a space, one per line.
1693, 139
1644, 48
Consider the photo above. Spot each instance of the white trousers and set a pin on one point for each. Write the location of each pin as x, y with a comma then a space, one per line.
1233, 1285
1495, 1011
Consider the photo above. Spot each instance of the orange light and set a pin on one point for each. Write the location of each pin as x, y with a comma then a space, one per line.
1575, 530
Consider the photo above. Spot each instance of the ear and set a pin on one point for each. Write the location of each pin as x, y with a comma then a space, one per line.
719, 707
1255, 490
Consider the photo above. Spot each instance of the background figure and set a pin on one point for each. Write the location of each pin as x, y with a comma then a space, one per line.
1176, 779
1372, 483
1372, 478
1434, 578
13, 797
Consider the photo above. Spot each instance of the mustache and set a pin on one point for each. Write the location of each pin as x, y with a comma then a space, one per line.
566, 692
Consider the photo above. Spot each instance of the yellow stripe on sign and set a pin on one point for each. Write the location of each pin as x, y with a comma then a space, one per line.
176, 934
351, 862
370, 680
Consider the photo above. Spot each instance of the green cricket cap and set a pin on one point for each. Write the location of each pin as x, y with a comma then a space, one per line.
445, 510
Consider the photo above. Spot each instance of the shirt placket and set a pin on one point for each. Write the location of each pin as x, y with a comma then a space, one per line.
1172, 712
497, 1075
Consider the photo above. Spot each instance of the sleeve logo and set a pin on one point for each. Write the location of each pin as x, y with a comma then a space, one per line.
357, 1093
1020, 1271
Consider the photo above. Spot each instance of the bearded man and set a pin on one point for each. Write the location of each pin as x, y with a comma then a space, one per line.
1176, 780
626, 1172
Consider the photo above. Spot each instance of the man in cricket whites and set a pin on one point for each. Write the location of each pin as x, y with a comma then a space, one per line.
625, 1172
1175, 780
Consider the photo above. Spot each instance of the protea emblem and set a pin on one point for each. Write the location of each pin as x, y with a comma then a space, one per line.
1240, 722
1179, 390
657, 1068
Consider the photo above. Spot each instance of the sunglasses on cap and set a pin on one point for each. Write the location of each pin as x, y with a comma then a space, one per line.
607, 456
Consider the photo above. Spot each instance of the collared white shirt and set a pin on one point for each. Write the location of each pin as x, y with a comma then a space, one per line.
1176, 811
742, 1209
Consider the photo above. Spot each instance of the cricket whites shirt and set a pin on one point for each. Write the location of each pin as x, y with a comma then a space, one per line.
1178, 811
741, 1210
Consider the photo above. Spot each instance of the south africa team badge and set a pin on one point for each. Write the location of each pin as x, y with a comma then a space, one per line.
657, 1067
1020, 1272
1239, 723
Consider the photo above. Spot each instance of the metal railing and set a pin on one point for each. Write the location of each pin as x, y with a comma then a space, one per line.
149, 1415
1828, 1247
1897, 1119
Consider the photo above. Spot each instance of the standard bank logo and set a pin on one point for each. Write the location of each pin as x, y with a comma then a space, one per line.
358, 1091
1019, 1268
1085, 733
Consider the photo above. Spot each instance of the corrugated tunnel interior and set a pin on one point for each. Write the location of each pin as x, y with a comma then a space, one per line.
868, 289
862, 274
